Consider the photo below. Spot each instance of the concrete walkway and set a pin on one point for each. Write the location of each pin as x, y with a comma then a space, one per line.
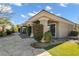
16, 45
44, 54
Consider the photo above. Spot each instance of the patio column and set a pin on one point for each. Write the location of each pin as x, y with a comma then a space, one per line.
31, 30
44, 22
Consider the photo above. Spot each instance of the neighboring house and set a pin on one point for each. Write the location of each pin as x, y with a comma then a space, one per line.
59, 26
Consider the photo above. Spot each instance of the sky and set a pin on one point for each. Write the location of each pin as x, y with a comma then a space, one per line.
23, 11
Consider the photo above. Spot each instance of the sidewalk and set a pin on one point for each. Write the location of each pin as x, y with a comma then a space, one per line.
44, 54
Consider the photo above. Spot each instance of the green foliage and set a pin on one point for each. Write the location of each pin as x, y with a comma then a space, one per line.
3, 33
38, 31
0, 34
74, 33
29, 28
5, 21
15, 29
47, 36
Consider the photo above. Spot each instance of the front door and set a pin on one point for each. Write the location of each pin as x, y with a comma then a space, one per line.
52, 29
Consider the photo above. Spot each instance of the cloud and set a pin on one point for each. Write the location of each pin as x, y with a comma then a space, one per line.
5, 9
23, 16
51, 12
18, 4
33, 13
58, 14
48, 8
63, 5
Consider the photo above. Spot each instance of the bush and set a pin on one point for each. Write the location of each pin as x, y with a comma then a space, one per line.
13, 30
38, 31
4, 33
47, 37
1, 34
29, 30
8, 32
73, 33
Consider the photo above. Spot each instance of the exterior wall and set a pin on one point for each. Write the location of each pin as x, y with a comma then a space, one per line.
57, 30
78, 29
64, 29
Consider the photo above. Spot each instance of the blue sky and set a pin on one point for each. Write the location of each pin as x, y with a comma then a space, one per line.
22, 12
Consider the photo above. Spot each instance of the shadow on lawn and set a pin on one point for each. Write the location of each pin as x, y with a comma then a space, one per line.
54, 45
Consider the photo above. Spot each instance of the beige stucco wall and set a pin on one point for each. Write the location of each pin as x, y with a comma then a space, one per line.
64, 29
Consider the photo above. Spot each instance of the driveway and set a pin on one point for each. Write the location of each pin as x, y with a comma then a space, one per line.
18, 45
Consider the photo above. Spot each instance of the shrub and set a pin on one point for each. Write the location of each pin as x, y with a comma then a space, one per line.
47, 37
0, 33
73, 33
4, 33
38, 31
13, 30
8, 32
29, 30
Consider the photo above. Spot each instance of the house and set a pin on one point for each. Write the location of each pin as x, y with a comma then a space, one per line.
59, 26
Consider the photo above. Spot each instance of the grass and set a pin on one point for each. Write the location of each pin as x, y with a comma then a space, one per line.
65, 49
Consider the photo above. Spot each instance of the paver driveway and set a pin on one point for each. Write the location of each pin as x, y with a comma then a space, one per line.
16, 45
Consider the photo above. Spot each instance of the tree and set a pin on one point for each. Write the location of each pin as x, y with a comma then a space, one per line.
4, 20
5, 13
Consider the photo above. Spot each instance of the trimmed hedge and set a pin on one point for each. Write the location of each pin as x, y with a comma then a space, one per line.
73, 33
38, 31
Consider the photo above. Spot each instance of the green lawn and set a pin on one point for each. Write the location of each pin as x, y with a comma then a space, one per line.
65, 49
